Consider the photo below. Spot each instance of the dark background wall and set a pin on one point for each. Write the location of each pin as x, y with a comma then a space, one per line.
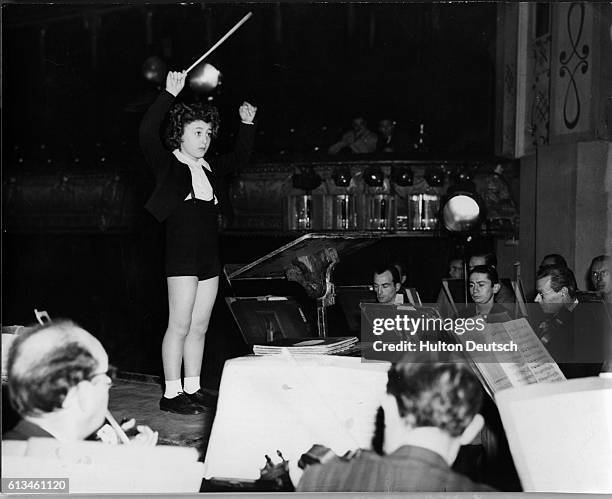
72, 81
74, 73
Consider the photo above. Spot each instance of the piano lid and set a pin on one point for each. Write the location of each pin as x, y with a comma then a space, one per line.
274, 264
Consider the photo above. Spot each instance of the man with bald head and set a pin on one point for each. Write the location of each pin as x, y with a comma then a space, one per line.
58, 382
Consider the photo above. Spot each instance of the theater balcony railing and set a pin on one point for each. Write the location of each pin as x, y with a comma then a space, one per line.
397, 196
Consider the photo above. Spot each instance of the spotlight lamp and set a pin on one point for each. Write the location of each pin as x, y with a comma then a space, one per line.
462, 175
204, 78
306, 179
373, 176
402, 176
154, 70
434, 177
341, 176
462, 209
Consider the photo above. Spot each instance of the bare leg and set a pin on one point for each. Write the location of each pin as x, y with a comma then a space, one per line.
181, 299
193, 349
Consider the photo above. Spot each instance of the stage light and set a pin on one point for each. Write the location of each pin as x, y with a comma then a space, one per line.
462, 210
307, 179
402, 176
373, 176
462, 175
434, 177
204, 78
341, 176
154, 70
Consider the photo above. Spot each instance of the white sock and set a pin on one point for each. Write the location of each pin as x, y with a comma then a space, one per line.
173, 388
192, 384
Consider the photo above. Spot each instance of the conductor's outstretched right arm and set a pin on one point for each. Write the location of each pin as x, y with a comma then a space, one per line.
149, 132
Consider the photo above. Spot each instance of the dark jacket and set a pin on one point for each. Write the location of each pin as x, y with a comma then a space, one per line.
408, 469
575, 339
173, 178
26, 430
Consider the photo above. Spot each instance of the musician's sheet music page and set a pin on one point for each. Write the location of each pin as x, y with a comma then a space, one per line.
495, 376
531, 363
292, 404
534, 353
512, 364
563, 442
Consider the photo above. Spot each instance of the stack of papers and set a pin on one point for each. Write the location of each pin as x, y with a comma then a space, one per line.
306, 346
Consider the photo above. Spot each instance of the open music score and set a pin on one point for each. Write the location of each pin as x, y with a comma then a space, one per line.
530, 364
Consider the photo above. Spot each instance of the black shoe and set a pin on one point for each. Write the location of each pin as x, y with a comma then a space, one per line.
202, 398
181, 404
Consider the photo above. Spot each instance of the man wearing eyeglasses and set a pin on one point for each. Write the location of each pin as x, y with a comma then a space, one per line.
59, 379
572, 331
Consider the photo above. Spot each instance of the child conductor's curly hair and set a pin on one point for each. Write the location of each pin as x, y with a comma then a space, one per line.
182, 114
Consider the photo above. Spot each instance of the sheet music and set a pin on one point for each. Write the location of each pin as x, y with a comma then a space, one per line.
292, 404
559, 435
95, 467
496, 377
531, 364
534, 353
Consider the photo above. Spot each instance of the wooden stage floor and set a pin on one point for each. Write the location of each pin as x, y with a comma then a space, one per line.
137, 396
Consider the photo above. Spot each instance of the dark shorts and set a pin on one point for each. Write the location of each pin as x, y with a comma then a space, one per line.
192, 240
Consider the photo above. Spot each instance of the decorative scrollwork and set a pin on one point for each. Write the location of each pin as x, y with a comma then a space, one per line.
580, 62
540, 102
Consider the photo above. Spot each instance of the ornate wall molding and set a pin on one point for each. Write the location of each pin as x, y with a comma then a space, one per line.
539, 114
573, 106
576, 59
552, 78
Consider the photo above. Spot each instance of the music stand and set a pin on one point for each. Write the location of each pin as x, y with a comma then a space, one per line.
268, 318
349, 298
309, 261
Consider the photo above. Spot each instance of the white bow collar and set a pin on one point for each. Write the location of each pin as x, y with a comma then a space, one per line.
183, 158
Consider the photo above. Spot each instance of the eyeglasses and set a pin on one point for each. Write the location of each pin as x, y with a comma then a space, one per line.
111, 375
600, 275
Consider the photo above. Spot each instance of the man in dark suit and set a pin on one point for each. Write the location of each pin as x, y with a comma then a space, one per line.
58, 379
431, 411
572, 331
